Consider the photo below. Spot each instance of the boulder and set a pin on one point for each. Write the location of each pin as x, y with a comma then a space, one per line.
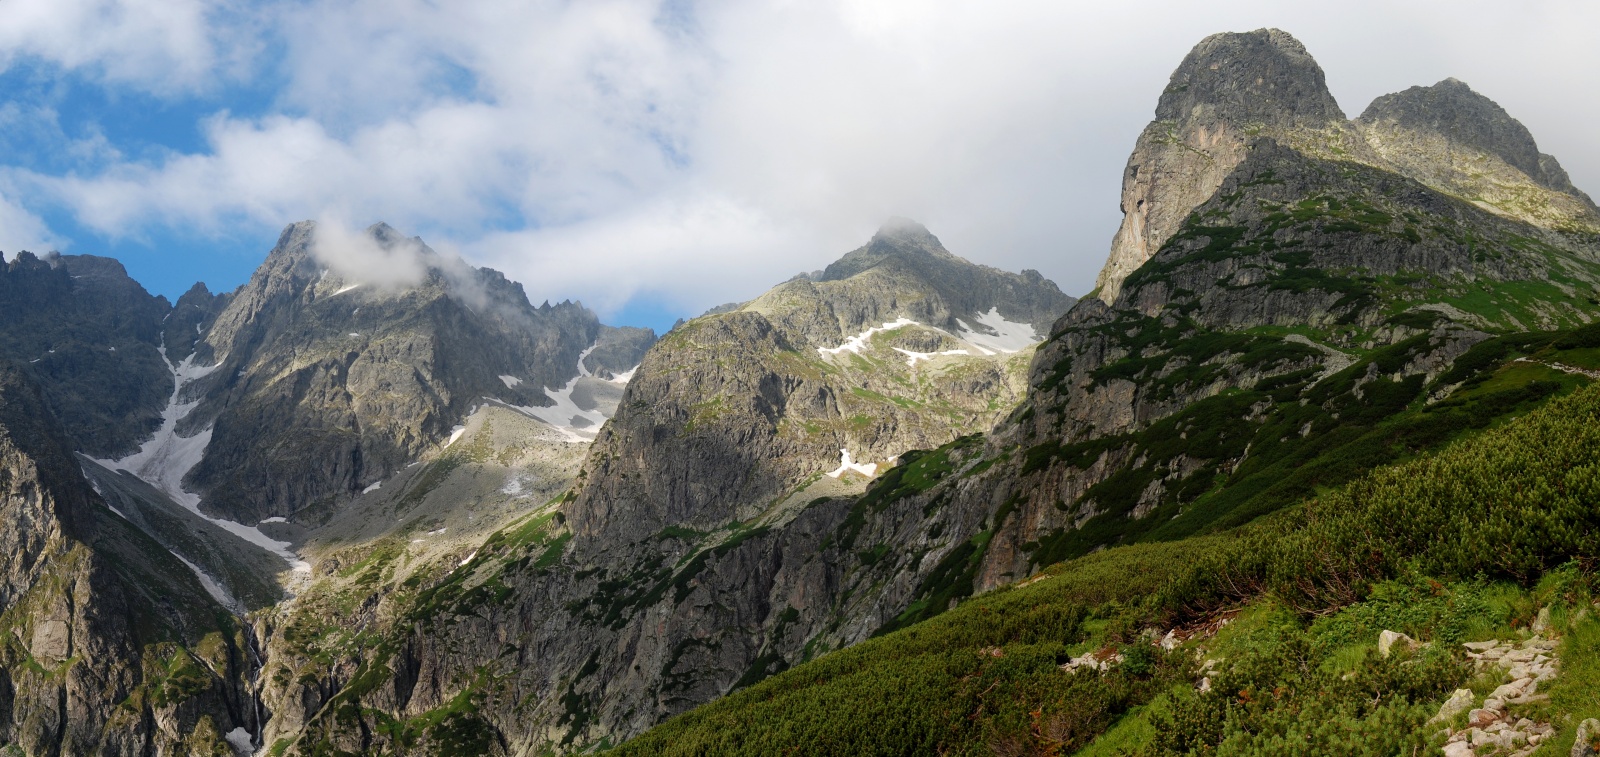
1588, 742
1388, 640
1460, 701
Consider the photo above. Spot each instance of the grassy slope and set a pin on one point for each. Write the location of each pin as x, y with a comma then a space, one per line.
1453, 545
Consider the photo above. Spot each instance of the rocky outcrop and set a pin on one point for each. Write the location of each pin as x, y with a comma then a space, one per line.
1458, 141
1231, 89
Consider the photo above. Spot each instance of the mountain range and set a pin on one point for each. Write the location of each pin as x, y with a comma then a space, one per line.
906, 504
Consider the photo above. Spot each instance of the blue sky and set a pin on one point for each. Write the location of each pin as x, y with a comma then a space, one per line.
653, 158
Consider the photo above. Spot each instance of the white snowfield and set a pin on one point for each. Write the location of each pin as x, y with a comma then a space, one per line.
344, 289
166, 458
576, 425
845, 466
455, 433
913, 357
625, 376
376, 485
1008, 337
855, 343
510, 381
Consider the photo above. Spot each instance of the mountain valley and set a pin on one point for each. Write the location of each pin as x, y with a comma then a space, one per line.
1334, 382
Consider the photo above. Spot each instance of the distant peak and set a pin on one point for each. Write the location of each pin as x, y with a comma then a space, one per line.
902, 228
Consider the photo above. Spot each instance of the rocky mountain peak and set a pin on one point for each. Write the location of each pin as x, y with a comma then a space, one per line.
1265, 76
900, 239
1456, 112
1230, 90
1455, 139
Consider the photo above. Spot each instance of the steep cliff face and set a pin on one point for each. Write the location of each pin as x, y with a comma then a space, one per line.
92, 336
1231, 89
111, 646
1458, 141
327, 385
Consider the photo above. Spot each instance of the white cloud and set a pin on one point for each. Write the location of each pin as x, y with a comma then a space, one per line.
360, 259
154, 45
21, 230
700, 152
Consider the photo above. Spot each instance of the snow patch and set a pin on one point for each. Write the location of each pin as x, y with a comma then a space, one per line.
438, 532
166, 458
275, 519
376, 485
625, 376
855, 343
1008, 336
355, 333
575, 424
343, 290
913, 357
467, 559
510, 381
845, 465
212, 587
455, 433
241, 741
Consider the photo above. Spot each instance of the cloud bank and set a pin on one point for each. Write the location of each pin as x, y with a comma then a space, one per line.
696, 152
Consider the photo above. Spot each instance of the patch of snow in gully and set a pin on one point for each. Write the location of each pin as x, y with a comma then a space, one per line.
913, 357
845, 465
1009, 336
566, 414
855, 343
166, 458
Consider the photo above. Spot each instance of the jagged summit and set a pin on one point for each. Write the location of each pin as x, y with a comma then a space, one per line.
1230, 90
1456, 112
1264, 76
1236, 88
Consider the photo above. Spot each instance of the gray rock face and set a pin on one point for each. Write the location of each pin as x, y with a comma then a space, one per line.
328, 385
950, 288
1458, 141
92, 337
1229, 90
191, 317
